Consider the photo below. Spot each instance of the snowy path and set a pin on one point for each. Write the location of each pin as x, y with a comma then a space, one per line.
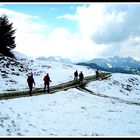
53, 89
82, 88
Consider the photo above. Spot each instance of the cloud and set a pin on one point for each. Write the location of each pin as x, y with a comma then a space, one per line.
118, 25
131, 48
104, 30
111, 25
70, 45
68, 16
108, 23
29, 31
18, 15
32, 40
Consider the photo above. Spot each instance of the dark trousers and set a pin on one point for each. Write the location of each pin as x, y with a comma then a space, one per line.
48, 88
30, 87
97, 76
75, 79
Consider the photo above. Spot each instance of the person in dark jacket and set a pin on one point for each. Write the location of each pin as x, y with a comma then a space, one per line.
75, 76
30, 81
97, 74
47, 82
81, 77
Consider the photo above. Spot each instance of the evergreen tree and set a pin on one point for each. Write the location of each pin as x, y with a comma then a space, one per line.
7, 38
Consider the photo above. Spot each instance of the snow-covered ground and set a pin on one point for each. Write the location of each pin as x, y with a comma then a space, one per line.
124, 86
72, 112
68, 113
15, 75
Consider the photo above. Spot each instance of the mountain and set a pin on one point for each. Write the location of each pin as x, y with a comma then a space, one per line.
54, 58
92, 65
115, 64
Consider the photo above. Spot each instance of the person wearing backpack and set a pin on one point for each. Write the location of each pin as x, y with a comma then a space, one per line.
30, 81
81, 77
47, 82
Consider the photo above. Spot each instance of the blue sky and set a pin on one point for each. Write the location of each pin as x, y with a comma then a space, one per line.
78, 31
48, 13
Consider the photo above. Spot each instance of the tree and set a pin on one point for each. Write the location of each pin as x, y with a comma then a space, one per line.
7, 38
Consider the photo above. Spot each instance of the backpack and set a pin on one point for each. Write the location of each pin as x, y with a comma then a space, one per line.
81, 75
45, 78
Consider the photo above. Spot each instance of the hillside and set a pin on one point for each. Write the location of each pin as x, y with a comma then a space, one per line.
14, 72
75, 112
109, 107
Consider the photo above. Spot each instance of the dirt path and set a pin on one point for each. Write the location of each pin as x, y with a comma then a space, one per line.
82, 88
53, 89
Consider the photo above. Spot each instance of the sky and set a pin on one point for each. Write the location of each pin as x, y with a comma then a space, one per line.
78, 31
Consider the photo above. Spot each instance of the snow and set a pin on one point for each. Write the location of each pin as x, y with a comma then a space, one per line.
109, 65
59, 73
68, 113
72, 112
124, 86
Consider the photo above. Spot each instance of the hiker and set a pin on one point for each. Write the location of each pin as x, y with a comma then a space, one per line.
81, 77
30, 81
47, 82
75, 76
97, 74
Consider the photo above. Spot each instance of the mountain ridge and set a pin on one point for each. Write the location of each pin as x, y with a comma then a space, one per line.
54, 58
114, 64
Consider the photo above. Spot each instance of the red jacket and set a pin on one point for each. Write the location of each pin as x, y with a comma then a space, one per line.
47, 79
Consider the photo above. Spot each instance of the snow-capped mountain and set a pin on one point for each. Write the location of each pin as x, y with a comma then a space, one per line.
55, 58
116, 64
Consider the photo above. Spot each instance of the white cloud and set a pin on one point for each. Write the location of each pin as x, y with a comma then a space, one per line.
22, 22
68, 16
66, 44
131, 47
104, 30
18, 15
32, 41
110, 25
29, 36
